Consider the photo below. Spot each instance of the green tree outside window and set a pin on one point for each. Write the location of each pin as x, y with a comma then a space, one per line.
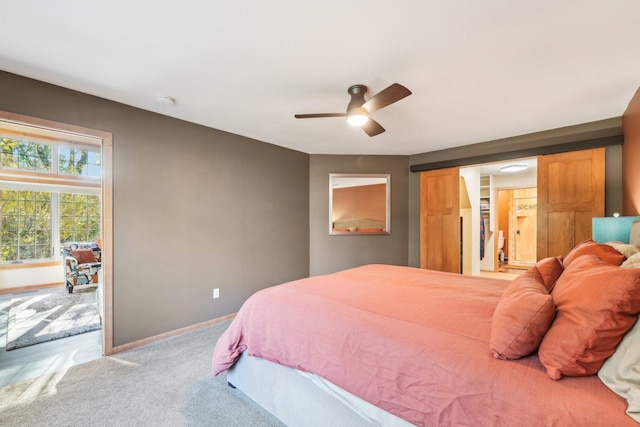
25, 231
25, 215
25, 155
32, 156
79, 218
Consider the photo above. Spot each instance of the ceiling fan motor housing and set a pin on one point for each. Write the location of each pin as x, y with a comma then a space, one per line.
357, 96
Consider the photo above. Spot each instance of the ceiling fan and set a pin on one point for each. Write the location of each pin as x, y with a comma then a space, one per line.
358, 110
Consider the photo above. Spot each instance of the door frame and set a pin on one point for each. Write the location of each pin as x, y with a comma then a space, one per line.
105, 140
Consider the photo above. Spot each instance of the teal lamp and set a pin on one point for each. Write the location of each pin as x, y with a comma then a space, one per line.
612, 228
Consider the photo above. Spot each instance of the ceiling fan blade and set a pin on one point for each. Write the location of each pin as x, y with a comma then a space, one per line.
372, 128
315, 116
388, 96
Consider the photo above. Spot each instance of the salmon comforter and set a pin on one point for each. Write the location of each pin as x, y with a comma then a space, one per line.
415, 343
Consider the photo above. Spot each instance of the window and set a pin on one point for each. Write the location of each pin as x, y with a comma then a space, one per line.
26, 225
25, 155
79, 218
40, 157
75, 161
39, 213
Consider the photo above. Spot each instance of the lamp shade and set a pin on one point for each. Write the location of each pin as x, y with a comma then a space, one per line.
612, 229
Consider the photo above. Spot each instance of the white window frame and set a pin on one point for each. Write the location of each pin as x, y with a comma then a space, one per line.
51, 181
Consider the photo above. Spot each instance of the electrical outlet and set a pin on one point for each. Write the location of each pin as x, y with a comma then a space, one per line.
216, 293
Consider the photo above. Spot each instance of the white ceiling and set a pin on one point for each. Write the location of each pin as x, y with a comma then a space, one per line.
478, 70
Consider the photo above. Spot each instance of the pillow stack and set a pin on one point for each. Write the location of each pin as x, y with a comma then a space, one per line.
574, 310
525, 311
597, 304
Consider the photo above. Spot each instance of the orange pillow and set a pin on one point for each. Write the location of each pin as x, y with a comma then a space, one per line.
550, 269
369, 230
597, 304
605, 252
83, 256
522, 316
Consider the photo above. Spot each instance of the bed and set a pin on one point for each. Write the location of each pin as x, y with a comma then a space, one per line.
397, 346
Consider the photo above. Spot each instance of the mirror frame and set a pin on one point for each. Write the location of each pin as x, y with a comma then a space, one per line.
387, 178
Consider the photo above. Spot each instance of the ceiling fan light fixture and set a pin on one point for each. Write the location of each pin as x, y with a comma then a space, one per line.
357, 116
513, 168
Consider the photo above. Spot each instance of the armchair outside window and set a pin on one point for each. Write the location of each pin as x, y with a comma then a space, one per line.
82, 262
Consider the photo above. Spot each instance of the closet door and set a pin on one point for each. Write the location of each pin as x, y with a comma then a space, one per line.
440, 220
570, 193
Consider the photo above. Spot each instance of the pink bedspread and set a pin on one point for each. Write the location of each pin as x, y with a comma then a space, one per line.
415, 343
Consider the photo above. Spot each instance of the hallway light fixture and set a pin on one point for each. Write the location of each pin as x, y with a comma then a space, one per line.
513, 168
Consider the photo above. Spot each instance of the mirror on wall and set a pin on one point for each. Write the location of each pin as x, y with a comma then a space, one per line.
359, 204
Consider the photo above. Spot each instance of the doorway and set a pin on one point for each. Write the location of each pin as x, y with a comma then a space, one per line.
569, 192
517, 222
490, 188
49, 132
524, 242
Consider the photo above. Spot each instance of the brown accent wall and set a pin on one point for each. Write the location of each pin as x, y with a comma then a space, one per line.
331, 253
194, 209
631, 158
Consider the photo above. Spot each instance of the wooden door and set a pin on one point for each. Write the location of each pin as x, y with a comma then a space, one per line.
525, 214
440, 220
505, 220
523, 223
570, 193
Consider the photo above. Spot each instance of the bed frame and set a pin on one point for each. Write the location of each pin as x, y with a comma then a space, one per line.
302, 399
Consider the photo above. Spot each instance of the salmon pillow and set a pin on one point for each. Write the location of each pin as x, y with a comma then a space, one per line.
524, 314
550, 269
597, 304
605, 252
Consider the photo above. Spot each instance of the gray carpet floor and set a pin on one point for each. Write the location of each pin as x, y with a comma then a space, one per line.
167, 383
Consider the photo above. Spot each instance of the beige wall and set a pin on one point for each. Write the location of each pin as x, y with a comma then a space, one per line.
193, 209
331, 253
18, 277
